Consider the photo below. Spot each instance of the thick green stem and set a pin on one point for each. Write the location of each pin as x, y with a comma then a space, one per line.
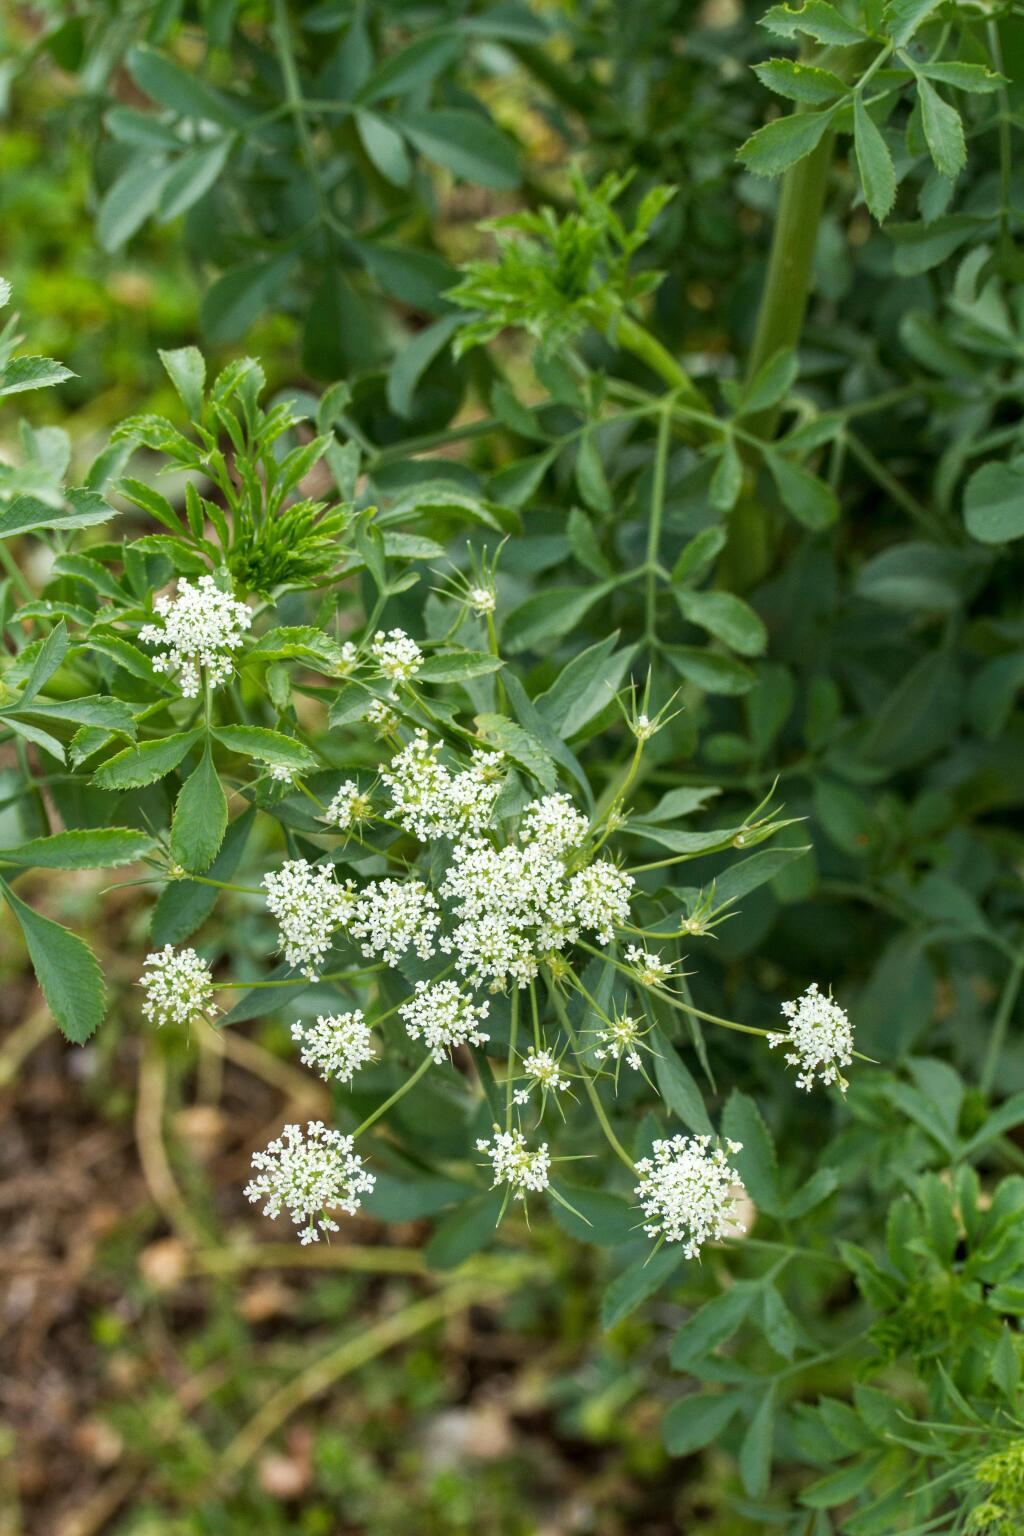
788, 281
637, 339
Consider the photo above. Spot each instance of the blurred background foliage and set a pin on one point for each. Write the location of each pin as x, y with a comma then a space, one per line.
160, 185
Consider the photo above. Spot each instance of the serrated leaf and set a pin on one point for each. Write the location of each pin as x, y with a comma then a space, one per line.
265, 746
200, 817
48, 658
800, 82
777, 146
874, 162
22, 373
144, 764
27, 514
458, 667
186, 369
815, 18
88, 848
183, 905
66, 969
943, 130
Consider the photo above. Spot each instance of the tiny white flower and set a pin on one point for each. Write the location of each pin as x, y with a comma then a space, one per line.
282, 774
620, 1041
430, 801
336, 1046
599, 897
350, 806
309, 906
391, 917
178, 986
445, 1017
513, 1163
688, 1192
383, 719
546, 1072
819, 1037
201, 627
650, 969
309, 1175
398, 657
554, 824
481, 600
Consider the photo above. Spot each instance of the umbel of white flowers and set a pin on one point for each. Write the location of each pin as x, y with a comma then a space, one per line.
818, 1038
201, 627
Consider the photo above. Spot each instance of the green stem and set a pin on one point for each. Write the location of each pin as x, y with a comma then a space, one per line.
297, 106
588, 1082
14, 571
513, 1031
787, 284
636, 338
399, 1093
1001, 1024
654, 529
301, 981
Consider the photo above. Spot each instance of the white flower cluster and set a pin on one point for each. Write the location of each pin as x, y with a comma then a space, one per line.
519, 903
337, 1045
430, 801
349, 807
178, 986
514, 1164
819, 1037
445, 1017
482, 600
309, 906
392, 916
201, 627
282, 774
688, 1192
620, 1041
650, 969
309, 1175
383, 719
545, 1072
397, 656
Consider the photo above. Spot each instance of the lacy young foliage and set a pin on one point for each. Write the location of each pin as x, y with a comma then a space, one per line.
463, 764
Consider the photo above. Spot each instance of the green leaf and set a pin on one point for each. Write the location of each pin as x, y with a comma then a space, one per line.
412, 360
727, 480
299, 642
815, 18
385, 147
22, 373
48, 658
710, 671
994, 503
520, 745
92, 848
66, 969
596, 1216
266, 746
412, 67
809, 499
943, 130
699, 553
800, 82
240, 295
465, 143
902, 18
756, 1448
458, 667
144, 764
725, 616
184, 905
693, 1422
756, 1163
130, 200
200, 817
712, 1324
974, 78
192, 174
179, 90
1005, 1368
464, 1232
27, 514
637, 1283
877, 176
777, 146
771, 384
677, 1085
186, 369
549, 615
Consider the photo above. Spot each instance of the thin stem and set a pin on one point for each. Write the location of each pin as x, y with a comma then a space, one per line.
297, 106
513, 1031
300, 981
654, 528
224, 885
399, 1093
673, 1002
14, 571
1000, 1024
588, 1082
